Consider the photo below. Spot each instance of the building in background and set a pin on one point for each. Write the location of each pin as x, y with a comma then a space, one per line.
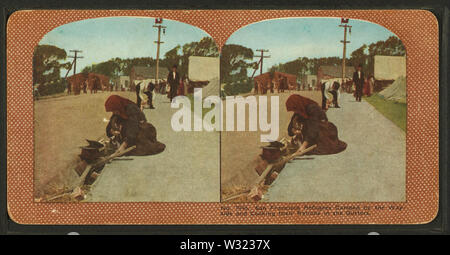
204, 72
333, 73
122, 83
270, 82
308, 82
139, 73
389, 67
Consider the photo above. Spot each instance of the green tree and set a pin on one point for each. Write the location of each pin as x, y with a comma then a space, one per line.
117, 66
359, 56
172, 57
47, 64
234, 61
304, 65
365, 54
179, 55
206, 47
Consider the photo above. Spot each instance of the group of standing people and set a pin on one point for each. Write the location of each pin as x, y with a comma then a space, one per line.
331, 93
175, 87
363, 85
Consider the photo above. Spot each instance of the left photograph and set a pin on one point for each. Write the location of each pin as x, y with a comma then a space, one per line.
105, 103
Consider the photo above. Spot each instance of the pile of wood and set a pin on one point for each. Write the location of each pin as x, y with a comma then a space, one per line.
93, 159
268, 166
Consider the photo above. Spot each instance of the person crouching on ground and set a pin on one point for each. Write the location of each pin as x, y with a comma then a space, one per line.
309, 126
149, 93
142, 90
330, 94
134, 127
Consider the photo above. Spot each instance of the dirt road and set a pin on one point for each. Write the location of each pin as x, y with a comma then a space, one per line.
187, 171
372, 168
61, 125
239, 149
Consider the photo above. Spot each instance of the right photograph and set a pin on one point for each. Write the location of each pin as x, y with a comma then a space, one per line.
315, 112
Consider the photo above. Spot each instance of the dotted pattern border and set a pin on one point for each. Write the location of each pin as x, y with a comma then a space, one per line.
418, 30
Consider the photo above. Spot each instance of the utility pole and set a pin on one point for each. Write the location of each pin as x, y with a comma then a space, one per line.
75, 57
344, 24
261, 60
68, 70
158, 21
256, 69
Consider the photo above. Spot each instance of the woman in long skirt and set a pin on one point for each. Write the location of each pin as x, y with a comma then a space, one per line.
310, 126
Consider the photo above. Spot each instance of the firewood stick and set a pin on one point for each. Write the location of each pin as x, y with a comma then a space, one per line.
237, 195
87, 172
102, 162
267, 171
288, 158
301, 153
109, 158
58, 196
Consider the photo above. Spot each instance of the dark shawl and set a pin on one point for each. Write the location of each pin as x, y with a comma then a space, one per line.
316, 127
145, 139
129, 113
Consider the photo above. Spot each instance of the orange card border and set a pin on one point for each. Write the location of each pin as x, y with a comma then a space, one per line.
418, 30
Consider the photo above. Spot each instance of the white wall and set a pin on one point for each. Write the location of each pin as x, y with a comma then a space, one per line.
389, 67
205, 69
309, 80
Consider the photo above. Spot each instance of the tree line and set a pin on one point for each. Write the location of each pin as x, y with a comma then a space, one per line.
49, 61
363, 55
179, 55
235, 61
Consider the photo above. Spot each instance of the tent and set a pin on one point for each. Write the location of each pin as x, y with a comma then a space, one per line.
396, 91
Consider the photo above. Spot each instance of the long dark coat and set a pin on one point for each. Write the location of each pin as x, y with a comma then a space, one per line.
145, 136
318, 130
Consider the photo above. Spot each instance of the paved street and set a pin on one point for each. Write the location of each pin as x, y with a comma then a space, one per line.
372, 168
188, 170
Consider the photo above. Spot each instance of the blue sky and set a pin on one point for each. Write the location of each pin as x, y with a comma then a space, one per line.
288, 39
126, 37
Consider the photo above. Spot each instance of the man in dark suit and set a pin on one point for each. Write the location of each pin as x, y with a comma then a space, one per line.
174, 81
358, 79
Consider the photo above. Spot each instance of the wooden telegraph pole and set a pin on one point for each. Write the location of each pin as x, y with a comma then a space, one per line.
344, 24
158, 22
75, 57
260, 62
